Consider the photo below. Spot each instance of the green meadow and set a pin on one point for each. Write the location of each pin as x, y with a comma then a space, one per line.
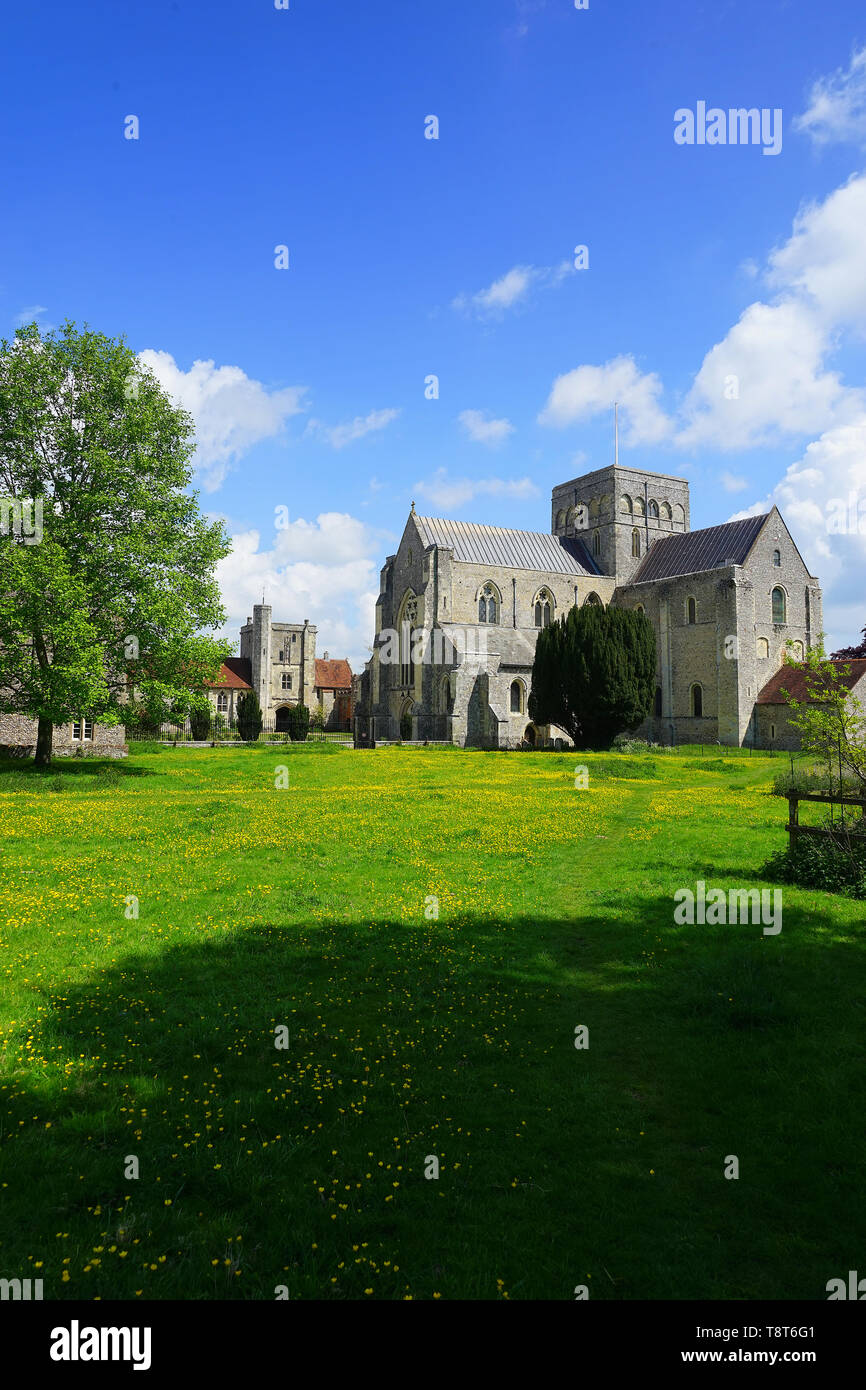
424, 931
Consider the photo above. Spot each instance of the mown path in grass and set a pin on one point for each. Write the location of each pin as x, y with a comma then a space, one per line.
412, 1035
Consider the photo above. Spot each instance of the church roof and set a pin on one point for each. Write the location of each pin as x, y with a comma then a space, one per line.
234, 674
691, 552
793, 680
497, 545
333, 675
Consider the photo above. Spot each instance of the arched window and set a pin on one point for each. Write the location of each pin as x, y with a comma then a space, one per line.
408, 621
445, 695
560, 520
222, 702
594, 600
569, 518
640, 609
593, 510
777, 559
596, 542
763, 649
653, 509
543, 608
286, 681
635, 543
516, 697
666, 512
795, 651
780, 607
625, 504
697, 699
692, 610
658, 705
488, 604
639, 507
679, 517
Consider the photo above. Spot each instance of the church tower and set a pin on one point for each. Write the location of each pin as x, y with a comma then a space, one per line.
619, 513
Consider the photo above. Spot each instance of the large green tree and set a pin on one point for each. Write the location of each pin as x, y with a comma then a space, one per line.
594, 674
831, 720
118, 590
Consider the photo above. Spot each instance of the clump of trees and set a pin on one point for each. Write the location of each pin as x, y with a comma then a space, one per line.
594, 674
118, 591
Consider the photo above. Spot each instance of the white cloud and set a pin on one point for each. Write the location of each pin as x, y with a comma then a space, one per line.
232, 412
732, 483
31, 314
511, 289
823, 262
326, 570
482, 429
837, 105
338, 436
448, 492
590, 390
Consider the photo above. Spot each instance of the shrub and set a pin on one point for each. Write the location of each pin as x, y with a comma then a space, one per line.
200, 724
250, 718
834, 864
298, 723
317, 718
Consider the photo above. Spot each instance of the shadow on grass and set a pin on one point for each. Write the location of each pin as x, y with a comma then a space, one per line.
454, 1040
24, 775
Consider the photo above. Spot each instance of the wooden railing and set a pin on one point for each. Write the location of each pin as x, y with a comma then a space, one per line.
794, 827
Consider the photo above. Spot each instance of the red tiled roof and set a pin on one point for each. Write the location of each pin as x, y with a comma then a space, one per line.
333, 675
793, 680
234, 674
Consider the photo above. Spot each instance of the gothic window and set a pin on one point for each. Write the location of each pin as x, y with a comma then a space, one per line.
640, 609
692, 610
780, 607
516, 697
596, 543
287, 681
654, 510
697, 698
488, 604
795, 651
639, 507
680, 516
625, 505
222, 702
593, 509
777, 559
763, 649
635, 543
408, 620
666, 513
593, 600
543, 608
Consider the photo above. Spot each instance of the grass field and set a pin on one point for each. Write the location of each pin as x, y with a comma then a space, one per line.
311, 907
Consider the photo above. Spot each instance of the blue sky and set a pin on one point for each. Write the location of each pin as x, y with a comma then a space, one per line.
410, 257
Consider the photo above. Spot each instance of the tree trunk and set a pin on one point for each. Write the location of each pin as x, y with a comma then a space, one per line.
44, 740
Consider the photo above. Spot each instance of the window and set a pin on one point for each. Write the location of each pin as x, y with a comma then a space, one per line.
635, 543
625, 505
653, 510
488, 604
692, 610
808, 610
679, 515
780, 607
543, 608
763, 649
795, 651
593, 599
666, 512
408, 620
639, 507
409, 555
697, 698
658, 706
82, 730
640, 609
287, 681
516, 697
596, 543
294, 637
777, 559
222, 702
773, 732
560, 520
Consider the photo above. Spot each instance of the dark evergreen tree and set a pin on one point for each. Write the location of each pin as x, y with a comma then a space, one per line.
594, 674
249, 716
299, 723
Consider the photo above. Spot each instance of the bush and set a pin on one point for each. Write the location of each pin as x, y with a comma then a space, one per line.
835, 865
298, 723
250, 719
200, 724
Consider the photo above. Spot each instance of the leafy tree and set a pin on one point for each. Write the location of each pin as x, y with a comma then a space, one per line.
249, 716
847, 653
831, 720
117, 593
594, 674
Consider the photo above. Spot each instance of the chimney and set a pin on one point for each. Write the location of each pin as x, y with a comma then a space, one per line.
326, 656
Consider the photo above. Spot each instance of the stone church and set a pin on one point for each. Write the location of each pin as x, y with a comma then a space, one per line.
461, 606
